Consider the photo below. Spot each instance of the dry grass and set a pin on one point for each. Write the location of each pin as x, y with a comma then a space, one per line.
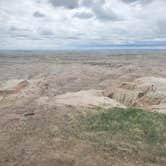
128, 132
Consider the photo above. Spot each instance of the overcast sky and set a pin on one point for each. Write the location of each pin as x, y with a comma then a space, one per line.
58, 24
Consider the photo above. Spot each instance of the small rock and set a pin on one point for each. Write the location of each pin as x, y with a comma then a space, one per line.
29, 114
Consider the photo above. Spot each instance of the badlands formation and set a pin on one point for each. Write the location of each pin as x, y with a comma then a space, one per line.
45, 95
86, 79
148, 93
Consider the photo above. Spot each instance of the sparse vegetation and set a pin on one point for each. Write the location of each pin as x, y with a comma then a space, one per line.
37, 130
132, 132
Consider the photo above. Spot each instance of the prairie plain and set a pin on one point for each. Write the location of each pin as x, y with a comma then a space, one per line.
83, 108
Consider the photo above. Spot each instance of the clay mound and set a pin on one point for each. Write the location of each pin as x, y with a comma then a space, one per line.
90, 98
153, 98
155, 89
128, 85
13, 89
145, 92
159, 108
124, 96
151, 83
146, 84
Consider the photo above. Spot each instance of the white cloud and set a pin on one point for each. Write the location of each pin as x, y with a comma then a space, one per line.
64, 23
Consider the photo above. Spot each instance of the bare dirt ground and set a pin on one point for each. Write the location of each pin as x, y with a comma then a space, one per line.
44, 96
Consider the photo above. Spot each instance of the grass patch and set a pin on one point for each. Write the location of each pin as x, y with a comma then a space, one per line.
131, 132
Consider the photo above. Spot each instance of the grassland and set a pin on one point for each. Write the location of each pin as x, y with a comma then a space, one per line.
132, 132
36, 131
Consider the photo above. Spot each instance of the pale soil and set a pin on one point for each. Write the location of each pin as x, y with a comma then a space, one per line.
44, 96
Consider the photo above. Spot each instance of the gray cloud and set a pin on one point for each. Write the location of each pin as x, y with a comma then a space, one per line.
161, 27
18, 31
83, 15
38, 14
138, 1
109, 21
70, 4
97, 6
92, 3
105, 15
47, 33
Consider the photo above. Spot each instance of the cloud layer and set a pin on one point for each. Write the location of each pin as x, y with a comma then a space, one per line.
58, 24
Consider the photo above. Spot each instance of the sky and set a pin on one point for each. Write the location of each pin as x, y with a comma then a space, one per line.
69, 24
